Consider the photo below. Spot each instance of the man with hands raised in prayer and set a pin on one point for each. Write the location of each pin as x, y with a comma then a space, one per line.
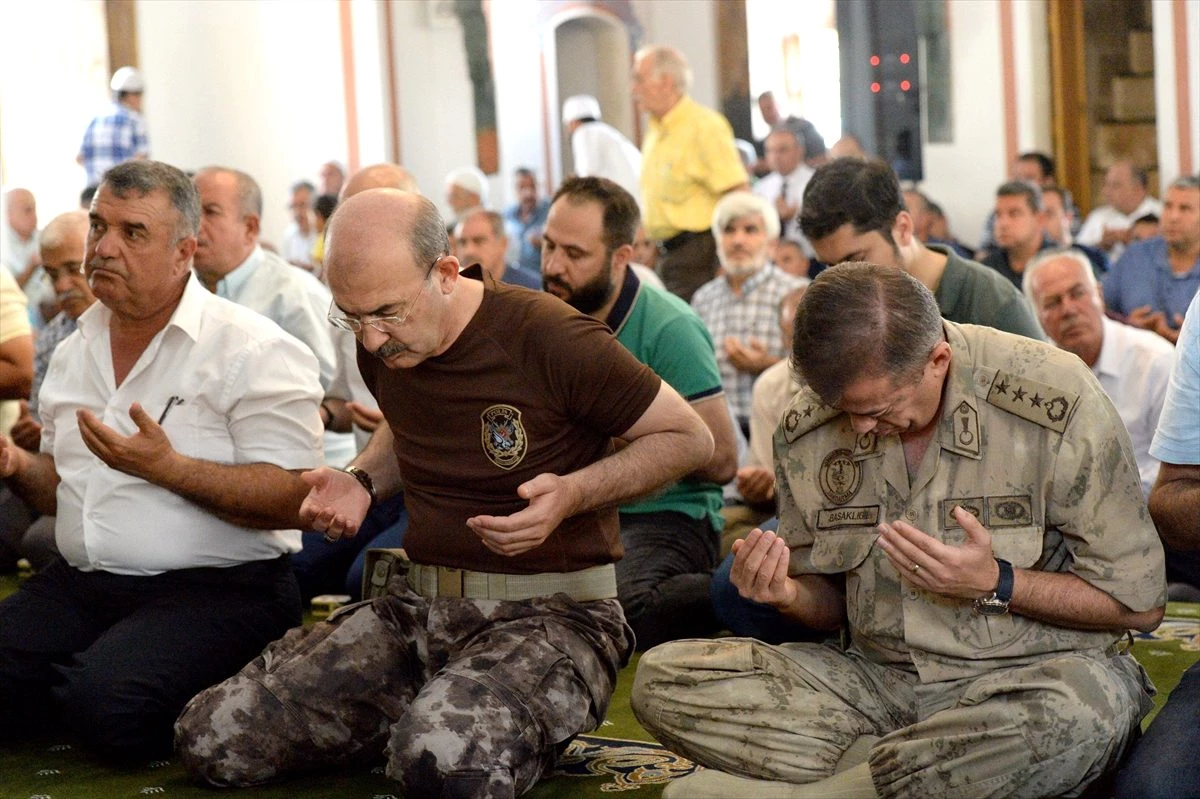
965, 504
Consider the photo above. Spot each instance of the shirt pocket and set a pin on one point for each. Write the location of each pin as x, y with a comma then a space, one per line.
1020, 546
199, 432
835, 552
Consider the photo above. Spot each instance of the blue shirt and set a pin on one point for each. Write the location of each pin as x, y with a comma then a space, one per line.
113, 137
1142, 276
1177, 439
529, 257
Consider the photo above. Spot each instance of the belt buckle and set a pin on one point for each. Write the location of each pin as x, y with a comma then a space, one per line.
450, 582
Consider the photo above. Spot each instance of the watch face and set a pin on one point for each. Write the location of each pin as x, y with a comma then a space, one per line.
990, 606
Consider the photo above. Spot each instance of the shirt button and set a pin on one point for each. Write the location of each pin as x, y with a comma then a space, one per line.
910, 514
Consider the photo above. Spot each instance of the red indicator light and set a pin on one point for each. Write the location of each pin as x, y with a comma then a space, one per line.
875, 88
905, 85
904, 59
874, 60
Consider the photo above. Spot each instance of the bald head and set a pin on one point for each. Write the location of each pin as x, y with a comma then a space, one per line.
65, 231
62, 244
380, 176
21, 211
376, 220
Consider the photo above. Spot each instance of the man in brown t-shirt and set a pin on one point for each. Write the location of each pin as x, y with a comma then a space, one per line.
504, 639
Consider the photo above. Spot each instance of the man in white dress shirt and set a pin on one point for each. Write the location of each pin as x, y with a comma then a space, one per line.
231, 264
784, 186
1132, 365
600, 150
176, 425
301, 233
1109, 227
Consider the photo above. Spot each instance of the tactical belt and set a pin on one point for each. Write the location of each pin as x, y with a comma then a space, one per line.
598, 582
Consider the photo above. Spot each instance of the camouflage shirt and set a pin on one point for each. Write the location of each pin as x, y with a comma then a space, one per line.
1030, 444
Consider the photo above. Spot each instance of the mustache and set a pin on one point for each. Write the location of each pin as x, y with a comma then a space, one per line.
72, 294
390, 349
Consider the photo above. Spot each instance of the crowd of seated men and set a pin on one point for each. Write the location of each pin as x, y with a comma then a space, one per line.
701, 277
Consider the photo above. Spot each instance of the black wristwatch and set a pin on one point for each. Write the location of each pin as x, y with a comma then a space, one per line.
997, 603
364, 480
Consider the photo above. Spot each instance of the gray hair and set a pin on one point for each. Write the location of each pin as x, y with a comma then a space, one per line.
249, 194
55, 233
1185, 182
428, 239
494, 220
144, 177
668, 61
1046, 256
737, 204
859, 320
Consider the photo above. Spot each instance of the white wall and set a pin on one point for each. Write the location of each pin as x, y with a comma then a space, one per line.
690, 26
1167, 113
49, 91
252, 85
963, 175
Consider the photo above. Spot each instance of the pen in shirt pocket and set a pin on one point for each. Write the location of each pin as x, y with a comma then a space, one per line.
171, 403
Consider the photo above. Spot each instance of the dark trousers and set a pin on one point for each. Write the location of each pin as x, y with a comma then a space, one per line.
1163, 764
687, 262
663, 579
116, 657
325, 568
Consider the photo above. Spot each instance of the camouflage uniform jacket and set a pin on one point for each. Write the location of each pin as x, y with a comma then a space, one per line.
1030, 444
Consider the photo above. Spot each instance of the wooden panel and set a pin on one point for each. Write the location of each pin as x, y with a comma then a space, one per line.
1069, 99
733, 66
121, 19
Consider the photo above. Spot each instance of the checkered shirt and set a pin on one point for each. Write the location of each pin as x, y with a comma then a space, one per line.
113, 137
755, 313
48, 339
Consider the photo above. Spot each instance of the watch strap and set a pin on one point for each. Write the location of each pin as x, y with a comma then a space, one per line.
1004, 588
364, 480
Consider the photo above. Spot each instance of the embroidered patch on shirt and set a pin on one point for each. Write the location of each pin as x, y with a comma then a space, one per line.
504, 439
1008, 510
859, 516
1033, 401
840, 476
972, 505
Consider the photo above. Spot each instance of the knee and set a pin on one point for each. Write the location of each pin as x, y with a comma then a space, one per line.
652, 676
226, 735
122, 720
462, 741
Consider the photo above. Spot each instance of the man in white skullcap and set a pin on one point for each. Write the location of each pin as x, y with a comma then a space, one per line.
118, 133
466, 189
599, 149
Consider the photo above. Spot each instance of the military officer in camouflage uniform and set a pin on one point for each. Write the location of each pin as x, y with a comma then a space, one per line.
966, 503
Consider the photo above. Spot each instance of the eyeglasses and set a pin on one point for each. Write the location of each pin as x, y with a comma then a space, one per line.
355, 324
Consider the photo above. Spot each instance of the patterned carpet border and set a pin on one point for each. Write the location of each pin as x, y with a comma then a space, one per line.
630, 764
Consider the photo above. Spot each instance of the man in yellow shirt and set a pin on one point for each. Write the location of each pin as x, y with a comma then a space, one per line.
689, 162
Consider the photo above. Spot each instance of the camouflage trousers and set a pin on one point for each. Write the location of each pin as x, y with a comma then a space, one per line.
468, 698
789, 712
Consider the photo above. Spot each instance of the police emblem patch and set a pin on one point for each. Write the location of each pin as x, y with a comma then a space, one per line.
840, 476
504, 439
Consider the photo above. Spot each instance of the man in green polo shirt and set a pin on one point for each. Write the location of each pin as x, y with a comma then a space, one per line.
671, 539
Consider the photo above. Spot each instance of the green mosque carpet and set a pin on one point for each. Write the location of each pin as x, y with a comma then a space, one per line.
617, 759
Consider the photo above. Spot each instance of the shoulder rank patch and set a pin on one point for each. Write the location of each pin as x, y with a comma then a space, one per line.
504, 439
1036, 402
804, 414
